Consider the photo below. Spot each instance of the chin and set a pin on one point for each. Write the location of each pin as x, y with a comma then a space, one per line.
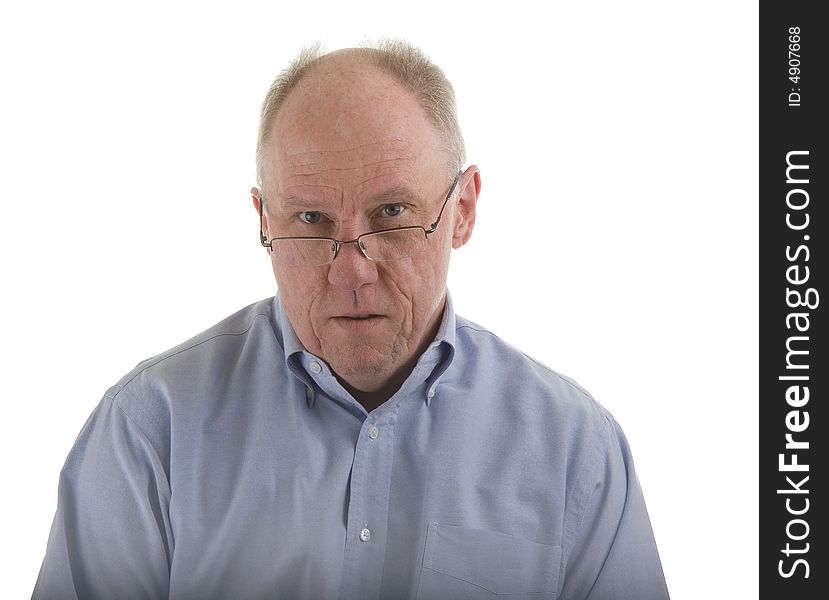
360, 361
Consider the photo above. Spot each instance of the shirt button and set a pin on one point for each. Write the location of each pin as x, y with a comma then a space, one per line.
365, 534
373, 432
431, 393
315, 367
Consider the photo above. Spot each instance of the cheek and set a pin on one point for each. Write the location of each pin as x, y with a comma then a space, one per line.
298, 281
299, 289
418, 284
435, 265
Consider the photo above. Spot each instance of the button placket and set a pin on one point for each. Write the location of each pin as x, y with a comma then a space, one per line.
368, 508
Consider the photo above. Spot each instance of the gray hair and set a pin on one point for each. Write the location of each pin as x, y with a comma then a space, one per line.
403, 61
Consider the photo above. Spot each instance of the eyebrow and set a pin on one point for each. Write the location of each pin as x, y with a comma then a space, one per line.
297, 202
396, 193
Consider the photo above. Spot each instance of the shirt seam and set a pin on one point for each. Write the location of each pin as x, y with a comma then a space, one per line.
595, 460
563, 378
160, 359
143, 434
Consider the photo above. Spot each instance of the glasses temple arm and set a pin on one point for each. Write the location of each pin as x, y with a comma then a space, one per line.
262, 239
434, 225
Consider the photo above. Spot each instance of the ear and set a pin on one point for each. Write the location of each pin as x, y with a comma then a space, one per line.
470, 186
256, 196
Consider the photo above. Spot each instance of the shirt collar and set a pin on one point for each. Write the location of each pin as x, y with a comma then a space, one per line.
439, 353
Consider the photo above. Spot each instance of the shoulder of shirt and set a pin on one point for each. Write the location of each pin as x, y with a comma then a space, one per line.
565, 392
236, 326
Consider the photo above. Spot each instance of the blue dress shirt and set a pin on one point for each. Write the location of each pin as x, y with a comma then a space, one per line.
236, 466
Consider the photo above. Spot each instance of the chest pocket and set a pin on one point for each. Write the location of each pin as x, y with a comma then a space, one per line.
461, 563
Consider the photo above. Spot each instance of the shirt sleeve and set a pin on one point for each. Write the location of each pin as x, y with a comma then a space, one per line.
111, 535
614, 554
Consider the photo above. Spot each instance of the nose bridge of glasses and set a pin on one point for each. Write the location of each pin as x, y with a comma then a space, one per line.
358, 241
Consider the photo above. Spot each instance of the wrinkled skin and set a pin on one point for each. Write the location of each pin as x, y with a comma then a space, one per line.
352, 151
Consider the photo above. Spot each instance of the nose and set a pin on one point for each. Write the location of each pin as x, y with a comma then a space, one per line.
351, 270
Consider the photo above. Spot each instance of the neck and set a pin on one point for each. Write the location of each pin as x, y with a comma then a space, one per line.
373, 397
370, 400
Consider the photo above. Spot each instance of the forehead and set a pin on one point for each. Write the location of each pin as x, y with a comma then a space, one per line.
348, 127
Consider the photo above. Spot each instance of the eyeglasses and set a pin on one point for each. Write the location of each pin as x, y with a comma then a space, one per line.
382, 245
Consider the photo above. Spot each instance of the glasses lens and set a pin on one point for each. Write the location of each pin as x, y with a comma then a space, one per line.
303, 252
395, 244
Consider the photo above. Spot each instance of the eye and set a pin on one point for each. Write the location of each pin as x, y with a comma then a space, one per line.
392, 210
311, 217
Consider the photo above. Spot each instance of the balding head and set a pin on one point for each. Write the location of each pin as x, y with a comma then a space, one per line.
361, 202
398, 61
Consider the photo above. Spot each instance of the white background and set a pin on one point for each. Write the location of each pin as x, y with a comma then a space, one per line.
616, 239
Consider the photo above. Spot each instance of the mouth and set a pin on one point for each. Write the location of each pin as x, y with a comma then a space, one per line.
360, 323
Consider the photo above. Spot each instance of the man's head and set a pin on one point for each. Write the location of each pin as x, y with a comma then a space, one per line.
352, 142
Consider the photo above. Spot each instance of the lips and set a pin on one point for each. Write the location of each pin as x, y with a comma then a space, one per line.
358, 323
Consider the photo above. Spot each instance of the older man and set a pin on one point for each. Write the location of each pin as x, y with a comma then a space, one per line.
352, 437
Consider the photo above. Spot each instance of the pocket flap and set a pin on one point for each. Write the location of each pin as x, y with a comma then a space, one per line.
500, 563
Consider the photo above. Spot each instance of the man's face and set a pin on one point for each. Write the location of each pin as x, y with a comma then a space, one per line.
352, 152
